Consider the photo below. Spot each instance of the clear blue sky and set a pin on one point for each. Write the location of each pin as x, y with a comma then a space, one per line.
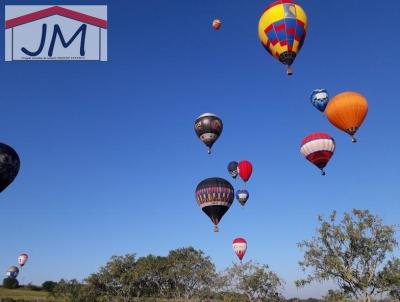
110, 161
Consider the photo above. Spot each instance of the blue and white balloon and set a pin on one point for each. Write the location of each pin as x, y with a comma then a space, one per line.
319, 99
242, 196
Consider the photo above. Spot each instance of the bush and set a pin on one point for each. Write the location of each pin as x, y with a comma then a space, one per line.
49, 286
31, 286
10, 283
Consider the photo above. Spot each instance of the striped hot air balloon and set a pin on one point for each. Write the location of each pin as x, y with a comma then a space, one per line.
282, 29
215, 196
318, 148
239, 247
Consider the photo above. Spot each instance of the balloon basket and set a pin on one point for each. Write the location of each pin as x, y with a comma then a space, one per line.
289, 71
323, 173
353, 139
216, 229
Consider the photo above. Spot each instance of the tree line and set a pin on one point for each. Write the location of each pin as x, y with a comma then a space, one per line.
355, 251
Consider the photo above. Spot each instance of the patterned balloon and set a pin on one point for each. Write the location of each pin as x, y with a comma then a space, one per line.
208, 128
347, 112
239, 247
232, 169
13, 272
282, 29
9, 166
242, 196
318, 148
22, 259
215, 196
319, 99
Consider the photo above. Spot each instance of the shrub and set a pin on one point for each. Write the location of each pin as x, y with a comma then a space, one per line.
49, 286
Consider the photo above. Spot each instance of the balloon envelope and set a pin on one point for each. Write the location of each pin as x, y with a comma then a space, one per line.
239, 247
216, 24
214, 196
347, 111
232, 169
242, 196
9, 165
208, 127
13, 272
282, 29
22, 259
245, 169
318, 148
319, 99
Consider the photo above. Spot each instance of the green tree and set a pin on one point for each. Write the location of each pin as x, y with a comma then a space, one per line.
190, 272
336, 296
255, 281
10, 283
114, 281
73, 291
390, 277
49, 286
350, 252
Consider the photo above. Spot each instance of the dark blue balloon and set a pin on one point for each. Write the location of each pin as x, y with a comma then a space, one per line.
319, 99
232, 169
242, 196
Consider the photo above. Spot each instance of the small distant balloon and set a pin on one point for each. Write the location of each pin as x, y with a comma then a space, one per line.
245, 169
319, 99
232, 169
22, 259
208, 127
239, 247
216, 24
13, 272
242, 196
318, 148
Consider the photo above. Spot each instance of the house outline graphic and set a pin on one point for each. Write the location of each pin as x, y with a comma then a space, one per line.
11, 23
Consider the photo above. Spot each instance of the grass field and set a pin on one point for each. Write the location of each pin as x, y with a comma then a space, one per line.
24, 294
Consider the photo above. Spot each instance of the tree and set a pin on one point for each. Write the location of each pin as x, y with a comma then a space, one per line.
10, 283
255, 281
190, 272
390, 277
350, 253
114, 281
336, 296
49, 286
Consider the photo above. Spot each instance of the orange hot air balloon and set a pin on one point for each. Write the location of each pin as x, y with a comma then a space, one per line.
347, 112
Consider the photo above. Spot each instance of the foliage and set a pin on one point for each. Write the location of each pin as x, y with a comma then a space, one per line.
350, 252
49, 286
10, 283
255, 281
336, 296
33, 287
390, 278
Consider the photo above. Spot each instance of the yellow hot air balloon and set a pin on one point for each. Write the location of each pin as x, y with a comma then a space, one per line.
347, 112
282, 29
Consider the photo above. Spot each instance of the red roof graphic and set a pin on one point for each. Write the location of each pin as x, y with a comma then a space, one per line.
56, 10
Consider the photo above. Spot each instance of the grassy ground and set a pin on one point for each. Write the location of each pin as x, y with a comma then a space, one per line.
24, 294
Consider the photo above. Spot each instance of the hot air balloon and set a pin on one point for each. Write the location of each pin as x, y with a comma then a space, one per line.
9, 165
208, 128
282, 29
347, 112
319, 99
232, 169
242, 196
318, 148
245, 169
13, 272
215, 196
216, 24
239, 247
22, 259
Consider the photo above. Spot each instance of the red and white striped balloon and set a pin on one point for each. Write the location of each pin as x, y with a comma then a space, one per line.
239, 247
318, 148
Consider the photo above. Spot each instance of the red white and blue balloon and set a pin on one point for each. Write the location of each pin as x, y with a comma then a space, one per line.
318, 148
319, 99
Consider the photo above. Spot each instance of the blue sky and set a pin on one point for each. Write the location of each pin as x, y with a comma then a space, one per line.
110, 161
